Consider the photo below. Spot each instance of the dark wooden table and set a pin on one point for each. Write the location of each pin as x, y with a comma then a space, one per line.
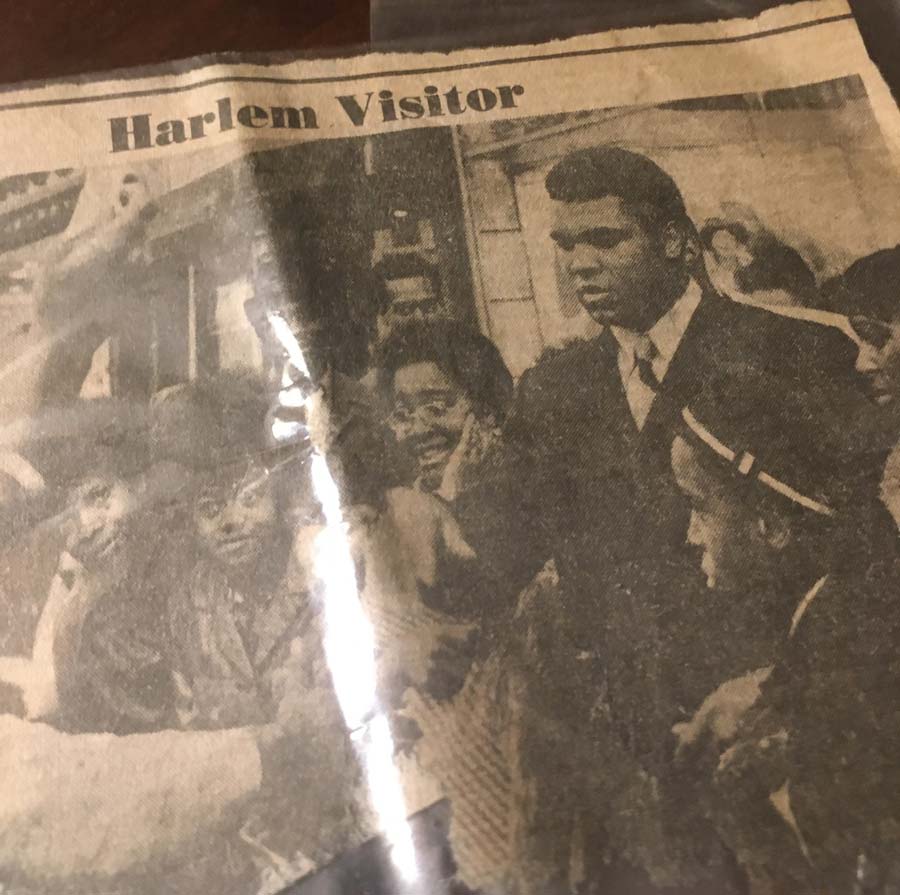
54, 38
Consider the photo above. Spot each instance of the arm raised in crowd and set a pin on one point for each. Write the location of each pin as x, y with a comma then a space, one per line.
78, 293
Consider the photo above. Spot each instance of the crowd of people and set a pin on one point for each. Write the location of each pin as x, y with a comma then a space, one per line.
631, 615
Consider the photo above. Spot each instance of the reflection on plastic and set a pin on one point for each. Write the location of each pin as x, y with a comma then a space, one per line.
349, 640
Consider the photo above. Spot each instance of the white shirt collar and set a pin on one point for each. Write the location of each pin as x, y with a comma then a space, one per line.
667, 333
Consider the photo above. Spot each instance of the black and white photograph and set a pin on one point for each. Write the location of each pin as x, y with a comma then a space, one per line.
498, 508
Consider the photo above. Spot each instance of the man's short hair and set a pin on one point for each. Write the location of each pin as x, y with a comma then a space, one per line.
465, 355
611, 171
869, 287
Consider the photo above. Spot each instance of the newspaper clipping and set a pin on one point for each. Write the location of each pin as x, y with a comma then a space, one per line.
455, 473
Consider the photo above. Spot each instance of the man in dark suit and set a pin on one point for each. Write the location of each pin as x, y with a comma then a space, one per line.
585, 476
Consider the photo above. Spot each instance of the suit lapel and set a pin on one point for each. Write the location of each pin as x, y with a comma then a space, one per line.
685, 370
692, 355
609, 391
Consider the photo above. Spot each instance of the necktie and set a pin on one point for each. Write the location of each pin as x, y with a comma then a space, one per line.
645, 352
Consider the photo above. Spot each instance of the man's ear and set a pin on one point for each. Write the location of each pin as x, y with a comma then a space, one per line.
674, 241
775, 531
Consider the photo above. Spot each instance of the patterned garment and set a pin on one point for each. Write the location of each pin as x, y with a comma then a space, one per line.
460, 753
465, 751
243, 663
428, 681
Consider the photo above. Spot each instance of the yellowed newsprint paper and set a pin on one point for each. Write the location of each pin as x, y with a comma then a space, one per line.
430, 474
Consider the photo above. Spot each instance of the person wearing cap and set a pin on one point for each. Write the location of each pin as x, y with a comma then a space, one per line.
246, 633
590, 431
253, 619
868, 294
231, 559
802, 743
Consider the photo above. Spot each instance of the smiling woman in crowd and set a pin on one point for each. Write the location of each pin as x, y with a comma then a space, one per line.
447, 390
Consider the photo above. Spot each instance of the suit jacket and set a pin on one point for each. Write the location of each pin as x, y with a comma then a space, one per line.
836, 689
832, 692
577, 481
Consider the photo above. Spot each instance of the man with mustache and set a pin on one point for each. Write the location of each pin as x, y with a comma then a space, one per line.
586, 480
